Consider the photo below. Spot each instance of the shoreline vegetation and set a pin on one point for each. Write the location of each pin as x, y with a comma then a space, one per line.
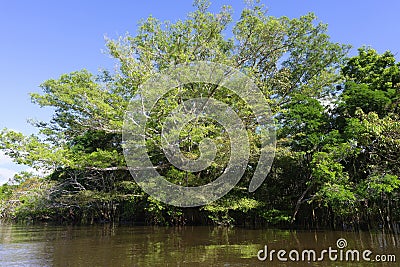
337, 121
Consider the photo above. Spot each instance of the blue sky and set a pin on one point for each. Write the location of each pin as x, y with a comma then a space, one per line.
44, 39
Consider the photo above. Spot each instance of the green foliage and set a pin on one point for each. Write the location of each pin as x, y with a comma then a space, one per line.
373, 83
383, 184
220, 212
379, 71
369, 100
26, 201
305, 123
335, 162
5, 192
275, 216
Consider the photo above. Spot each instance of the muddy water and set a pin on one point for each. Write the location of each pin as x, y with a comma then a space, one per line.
107, 245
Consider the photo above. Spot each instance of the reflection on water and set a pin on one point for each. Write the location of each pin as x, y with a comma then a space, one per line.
107, 245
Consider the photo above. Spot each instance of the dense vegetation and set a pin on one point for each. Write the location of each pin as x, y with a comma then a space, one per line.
338, 130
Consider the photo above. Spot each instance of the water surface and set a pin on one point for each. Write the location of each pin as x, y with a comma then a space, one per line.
107, 245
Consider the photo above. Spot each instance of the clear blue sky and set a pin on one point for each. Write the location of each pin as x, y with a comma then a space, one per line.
44, 39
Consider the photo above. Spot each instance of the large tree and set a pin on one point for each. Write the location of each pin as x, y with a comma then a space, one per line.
353, 167
292, 61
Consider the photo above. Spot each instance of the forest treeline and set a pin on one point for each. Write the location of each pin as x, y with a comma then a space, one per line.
337, 125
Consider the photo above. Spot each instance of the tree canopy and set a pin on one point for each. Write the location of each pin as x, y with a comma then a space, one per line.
336, 162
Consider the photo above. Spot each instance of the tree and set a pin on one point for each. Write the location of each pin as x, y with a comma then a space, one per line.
291, 60
348, 156
368, 122
372, 83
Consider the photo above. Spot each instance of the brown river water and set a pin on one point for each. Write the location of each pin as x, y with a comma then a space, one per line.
108, 245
